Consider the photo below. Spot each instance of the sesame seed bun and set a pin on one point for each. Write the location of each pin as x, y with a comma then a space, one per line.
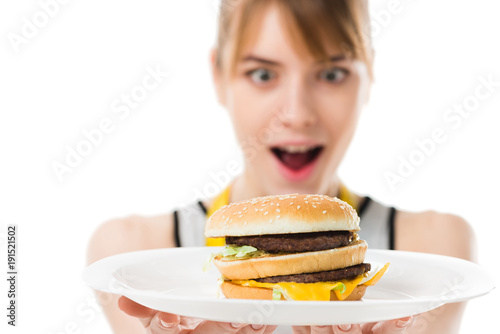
279, 214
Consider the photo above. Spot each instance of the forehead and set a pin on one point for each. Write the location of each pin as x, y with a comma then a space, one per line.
275, 35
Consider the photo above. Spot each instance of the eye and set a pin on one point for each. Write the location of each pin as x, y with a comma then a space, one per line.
333, 74
261, 75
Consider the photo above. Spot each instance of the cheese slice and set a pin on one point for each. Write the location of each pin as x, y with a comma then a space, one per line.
377, 276
319, 291
350, 284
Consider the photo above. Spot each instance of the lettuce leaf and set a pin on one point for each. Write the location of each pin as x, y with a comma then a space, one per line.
233, 252
208, 261
238, 251
340, 286
276, 294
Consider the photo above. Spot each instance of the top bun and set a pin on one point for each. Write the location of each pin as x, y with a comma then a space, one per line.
279, 214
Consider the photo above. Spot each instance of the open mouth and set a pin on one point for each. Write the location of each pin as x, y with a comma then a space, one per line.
297, 157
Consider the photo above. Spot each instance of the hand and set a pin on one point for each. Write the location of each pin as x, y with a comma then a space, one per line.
157, 322
382, 327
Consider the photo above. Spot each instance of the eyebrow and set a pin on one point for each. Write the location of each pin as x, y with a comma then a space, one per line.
250, 57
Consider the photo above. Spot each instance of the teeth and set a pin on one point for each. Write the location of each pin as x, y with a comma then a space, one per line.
296, 148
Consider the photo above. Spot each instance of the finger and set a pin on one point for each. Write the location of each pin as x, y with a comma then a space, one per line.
269, 329
392, 326
135, 309
322, 329
165, 323
212, 327
301, 329
256, 329
346, 328
150, 318
143, 313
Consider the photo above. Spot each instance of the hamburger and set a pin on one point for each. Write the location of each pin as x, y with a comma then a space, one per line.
291, 247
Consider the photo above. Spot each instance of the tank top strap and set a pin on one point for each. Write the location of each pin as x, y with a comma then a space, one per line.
189, 225
377, 224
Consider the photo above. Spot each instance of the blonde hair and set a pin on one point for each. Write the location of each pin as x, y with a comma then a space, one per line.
312, 24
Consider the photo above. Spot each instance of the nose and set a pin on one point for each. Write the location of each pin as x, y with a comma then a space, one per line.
298, 109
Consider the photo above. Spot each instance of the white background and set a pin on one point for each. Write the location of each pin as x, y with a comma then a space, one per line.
64, 79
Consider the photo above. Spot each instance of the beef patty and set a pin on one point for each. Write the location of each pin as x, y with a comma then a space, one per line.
321, 276
294, 242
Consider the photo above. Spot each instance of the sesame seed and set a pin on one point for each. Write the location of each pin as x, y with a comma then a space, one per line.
314, 206
307, 202
291, 203
278, 216
277, 204
265, 213
256, 209
277, 210
324, 212
245, 208
242, 215
244, 223
271, 220
298, 207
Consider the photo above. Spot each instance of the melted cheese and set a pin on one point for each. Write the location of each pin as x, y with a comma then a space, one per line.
319, 291
377, 276
350, 284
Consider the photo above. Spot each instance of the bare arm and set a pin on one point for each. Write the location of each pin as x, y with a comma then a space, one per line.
126, 235
443, 234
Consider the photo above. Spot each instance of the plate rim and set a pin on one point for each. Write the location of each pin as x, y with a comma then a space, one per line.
112, 263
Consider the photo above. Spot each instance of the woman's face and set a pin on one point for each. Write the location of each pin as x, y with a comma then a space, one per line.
293, 117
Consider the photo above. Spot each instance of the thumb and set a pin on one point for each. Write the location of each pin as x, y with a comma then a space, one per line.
147, 316
135, 309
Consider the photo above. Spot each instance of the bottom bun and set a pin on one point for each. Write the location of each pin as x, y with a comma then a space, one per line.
236, 291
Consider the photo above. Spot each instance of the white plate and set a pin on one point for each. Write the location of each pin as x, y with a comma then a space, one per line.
171, 280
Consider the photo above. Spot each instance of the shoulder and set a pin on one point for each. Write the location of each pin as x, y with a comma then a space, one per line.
435, 232
129, 234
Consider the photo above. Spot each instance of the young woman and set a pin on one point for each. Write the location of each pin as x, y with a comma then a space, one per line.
293, 76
